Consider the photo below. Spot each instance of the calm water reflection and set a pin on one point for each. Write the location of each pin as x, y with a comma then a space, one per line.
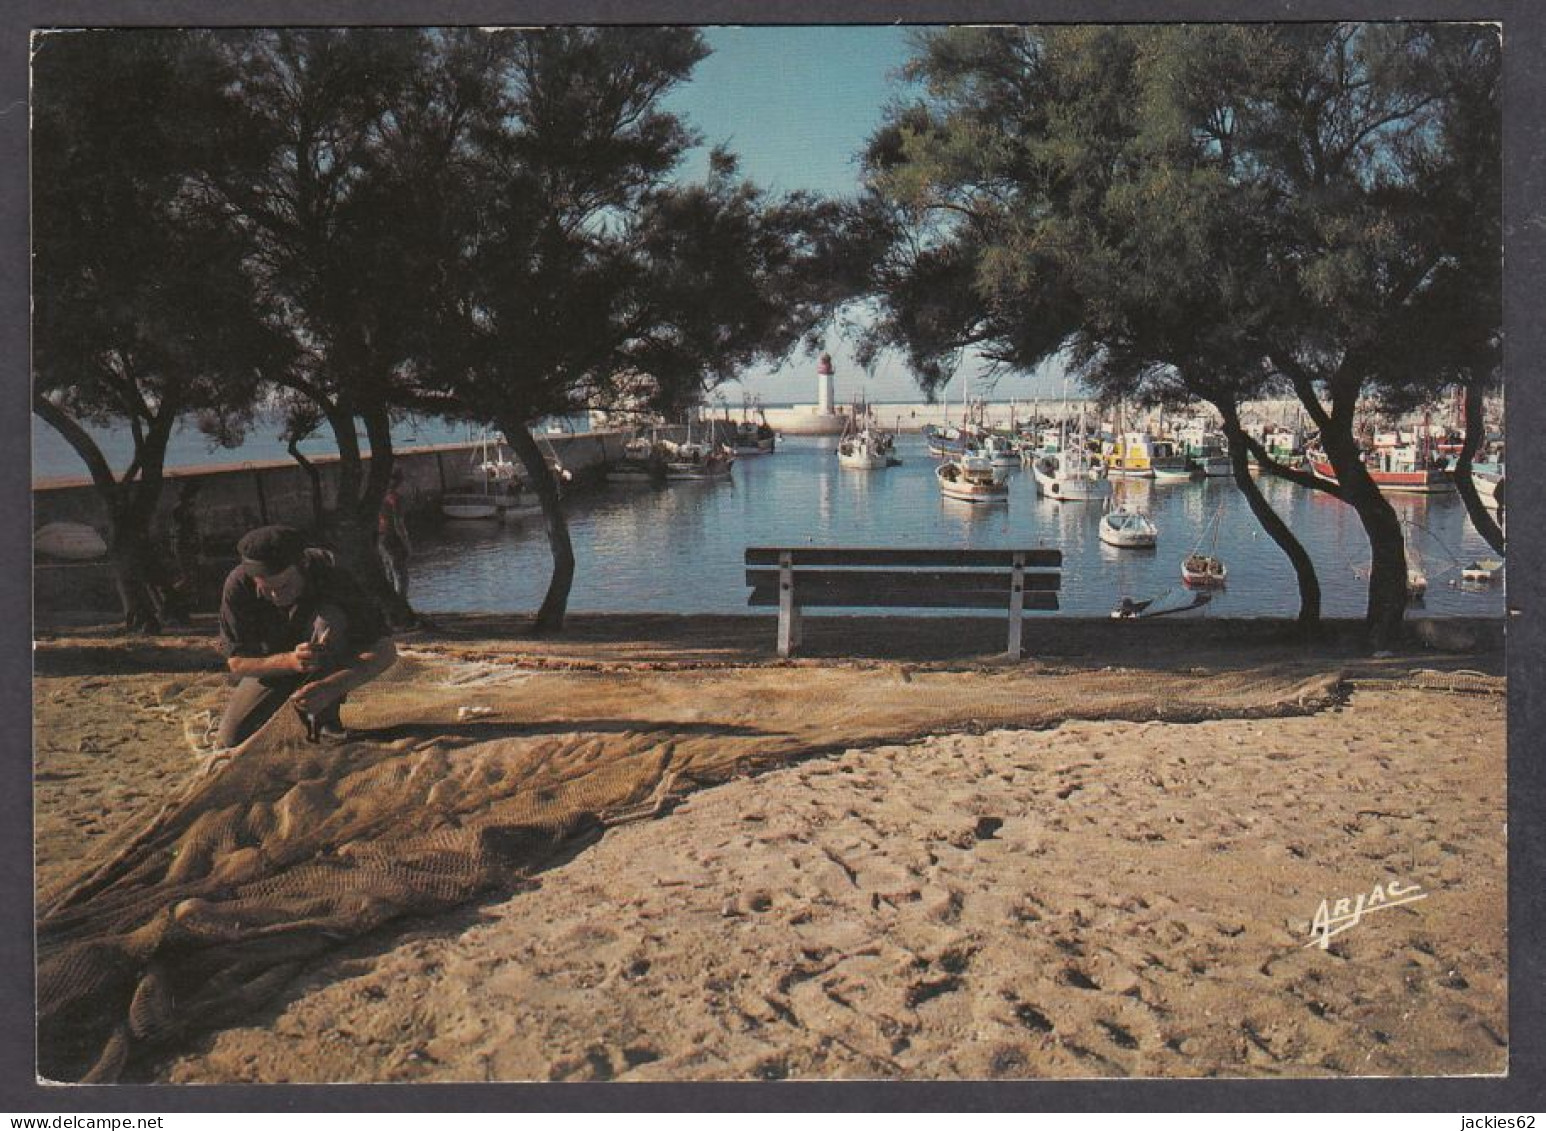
678, 549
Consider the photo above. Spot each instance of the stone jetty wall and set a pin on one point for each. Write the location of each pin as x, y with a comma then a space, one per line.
234, 499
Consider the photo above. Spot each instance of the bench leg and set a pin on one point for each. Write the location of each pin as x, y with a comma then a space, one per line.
788, 610
1016, 607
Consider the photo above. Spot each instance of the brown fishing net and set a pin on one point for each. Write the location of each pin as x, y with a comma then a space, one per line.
459, 780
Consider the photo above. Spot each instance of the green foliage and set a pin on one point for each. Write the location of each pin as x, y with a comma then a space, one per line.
142, 306
1214, 204
586, 266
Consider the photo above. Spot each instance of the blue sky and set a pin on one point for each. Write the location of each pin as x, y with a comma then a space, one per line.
797, 105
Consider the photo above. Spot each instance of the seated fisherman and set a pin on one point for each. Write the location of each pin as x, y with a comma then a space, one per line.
296, 627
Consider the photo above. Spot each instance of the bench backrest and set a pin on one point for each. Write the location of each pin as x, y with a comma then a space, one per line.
895, 577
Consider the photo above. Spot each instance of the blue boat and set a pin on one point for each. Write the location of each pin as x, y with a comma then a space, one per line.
950, 441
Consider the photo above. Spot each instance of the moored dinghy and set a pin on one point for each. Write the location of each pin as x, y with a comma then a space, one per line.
1127, 528
1205, 571
69, 541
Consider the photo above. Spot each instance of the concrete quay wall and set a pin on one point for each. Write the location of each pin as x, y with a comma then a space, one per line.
234, 499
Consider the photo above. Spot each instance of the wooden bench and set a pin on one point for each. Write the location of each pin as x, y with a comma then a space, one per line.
800, 577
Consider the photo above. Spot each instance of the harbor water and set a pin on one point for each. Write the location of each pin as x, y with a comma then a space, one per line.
678, 548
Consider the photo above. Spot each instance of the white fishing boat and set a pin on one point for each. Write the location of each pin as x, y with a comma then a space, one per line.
644, 461
1168, 463
1207, 449
999, 450
493, 485
696, 460
972, 479
493, 462
867, 449
1128, 528
69, 541
1069, 471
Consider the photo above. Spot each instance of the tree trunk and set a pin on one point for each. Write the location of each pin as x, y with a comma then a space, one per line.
1273, 524
318, 513
550, 617
1388, 570
1475, 433
354, 518
130, 507
134, 559
378, 428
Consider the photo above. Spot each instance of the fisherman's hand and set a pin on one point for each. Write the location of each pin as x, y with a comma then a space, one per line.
307, 657
314, 698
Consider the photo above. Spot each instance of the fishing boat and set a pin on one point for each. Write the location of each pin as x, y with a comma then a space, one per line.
1070, 475
950, 440
754, 437
493, 462
1168, 463
1127, 455
1206, 449
1070, 472
1127, 528
69, 541
492, 486
644, 461
1205, 571
999, 450
1399, 467
972, 479
696, 460
866, 448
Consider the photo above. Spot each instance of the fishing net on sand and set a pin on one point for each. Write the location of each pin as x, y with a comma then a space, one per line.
458, 781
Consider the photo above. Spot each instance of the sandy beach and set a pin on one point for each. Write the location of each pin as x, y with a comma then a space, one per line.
895, 858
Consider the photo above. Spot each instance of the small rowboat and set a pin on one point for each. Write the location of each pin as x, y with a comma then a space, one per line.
1482, 570
1205, 571
1200, 571
69, 541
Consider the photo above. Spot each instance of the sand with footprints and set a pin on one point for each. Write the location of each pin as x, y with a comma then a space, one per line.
1091, 898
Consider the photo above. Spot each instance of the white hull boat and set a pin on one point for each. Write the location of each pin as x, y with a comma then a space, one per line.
1064, 475
867, 450
696, 461
972, 479
1128, 529
69, 541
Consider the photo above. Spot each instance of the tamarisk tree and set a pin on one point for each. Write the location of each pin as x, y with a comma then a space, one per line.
143, 312
1203, 213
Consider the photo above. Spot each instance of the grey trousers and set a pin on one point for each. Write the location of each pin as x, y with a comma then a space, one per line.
256, 699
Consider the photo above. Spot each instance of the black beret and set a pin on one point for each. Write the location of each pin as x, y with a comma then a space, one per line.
271, 549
